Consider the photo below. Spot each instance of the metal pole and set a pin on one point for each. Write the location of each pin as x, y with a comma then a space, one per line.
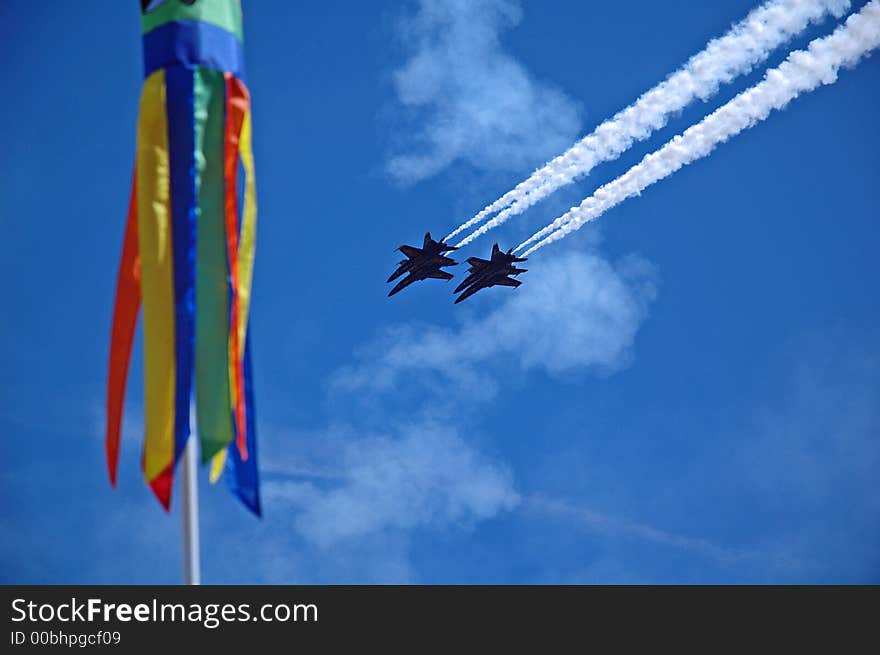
189, 487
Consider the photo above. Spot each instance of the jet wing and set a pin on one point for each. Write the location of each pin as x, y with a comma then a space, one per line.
507, 282
440, 260
437, 261
477, 263
440, 275
411, 251
477, 286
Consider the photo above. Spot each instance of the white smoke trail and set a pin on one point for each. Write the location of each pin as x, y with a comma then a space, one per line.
748, 43
802, 71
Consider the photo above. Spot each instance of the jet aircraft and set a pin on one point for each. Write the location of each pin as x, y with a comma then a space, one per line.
496, 271
422, 263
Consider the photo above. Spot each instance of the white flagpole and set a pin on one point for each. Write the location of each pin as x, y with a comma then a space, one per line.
189, 487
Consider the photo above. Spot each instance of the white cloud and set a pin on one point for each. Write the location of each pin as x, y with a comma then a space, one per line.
466, 99
422, 476
575, 310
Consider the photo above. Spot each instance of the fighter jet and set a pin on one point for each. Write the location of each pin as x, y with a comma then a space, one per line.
422, 263
496, 271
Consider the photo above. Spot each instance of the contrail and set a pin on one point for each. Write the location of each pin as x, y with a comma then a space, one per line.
748, 43
617, 527
802, 71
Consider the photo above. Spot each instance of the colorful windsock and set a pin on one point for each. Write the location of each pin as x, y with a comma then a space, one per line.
189, 249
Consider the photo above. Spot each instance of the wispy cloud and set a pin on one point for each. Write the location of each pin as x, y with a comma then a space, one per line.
420, 476
618, 528
813, 458
576, 311
465, 99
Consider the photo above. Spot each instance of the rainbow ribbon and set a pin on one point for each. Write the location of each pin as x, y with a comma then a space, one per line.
188, 251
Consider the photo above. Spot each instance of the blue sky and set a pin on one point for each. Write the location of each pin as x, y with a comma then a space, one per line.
687, 391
